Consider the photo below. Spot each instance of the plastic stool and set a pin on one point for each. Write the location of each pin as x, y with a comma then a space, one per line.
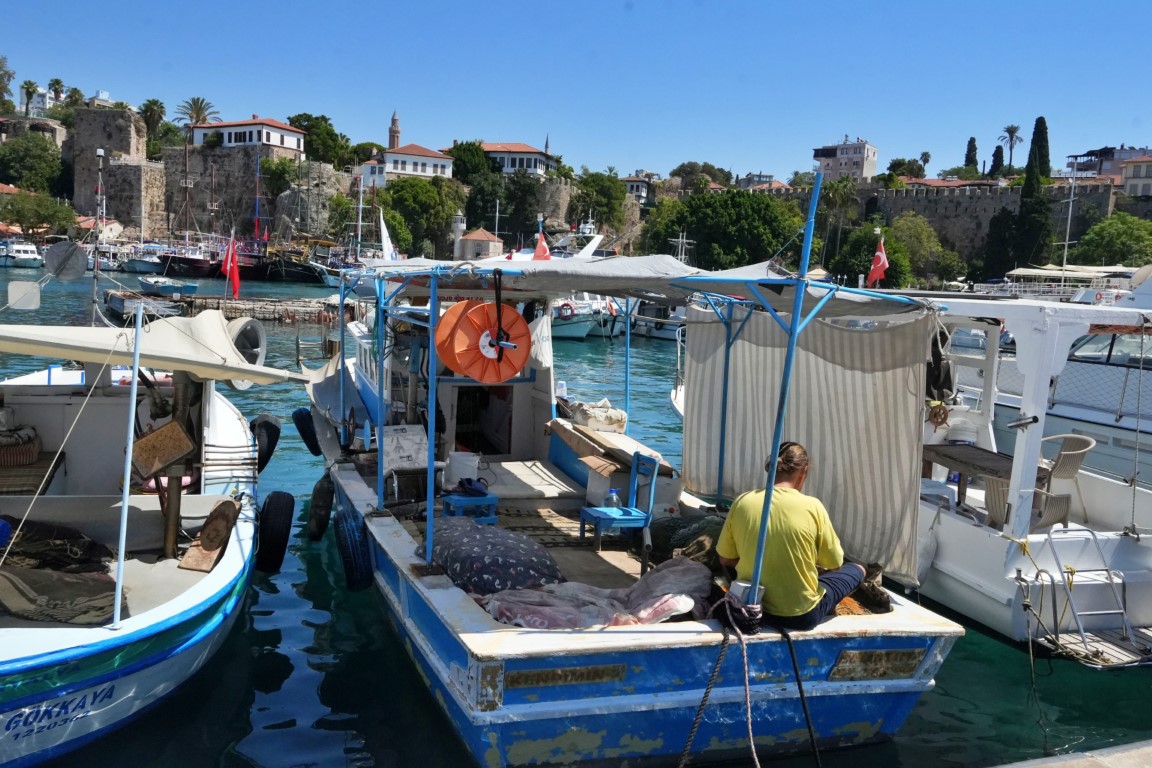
480, 508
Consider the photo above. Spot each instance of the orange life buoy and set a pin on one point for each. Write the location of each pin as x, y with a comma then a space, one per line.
566, 311
473, 343
446, 330
1099, 296
611, 307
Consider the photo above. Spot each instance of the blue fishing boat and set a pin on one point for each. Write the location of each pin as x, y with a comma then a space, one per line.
167, 287
86, 651
445, 382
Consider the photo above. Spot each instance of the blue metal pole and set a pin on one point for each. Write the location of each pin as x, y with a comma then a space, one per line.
801, 287
433, 365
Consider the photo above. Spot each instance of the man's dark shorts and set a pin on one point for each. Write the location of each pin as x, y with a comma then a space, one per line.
837, 585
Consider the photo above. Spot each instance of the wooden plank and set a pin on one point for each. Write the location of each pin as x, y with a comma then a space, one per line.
205, 551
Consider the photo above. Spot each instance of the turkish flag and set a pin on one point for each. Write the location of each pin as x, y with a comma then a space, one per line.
541, 253
879, 266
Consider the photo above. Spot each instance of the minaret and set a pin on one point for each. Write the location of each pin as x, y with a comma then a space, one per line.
394, 133
546, 145
458, 226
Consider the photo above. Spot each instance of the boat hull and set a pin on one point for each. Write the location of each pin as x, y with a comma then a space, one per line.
606, 696
94, 694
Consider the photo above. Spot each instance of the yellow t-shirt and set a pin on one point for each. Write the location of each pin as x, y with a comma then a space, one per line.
800, 537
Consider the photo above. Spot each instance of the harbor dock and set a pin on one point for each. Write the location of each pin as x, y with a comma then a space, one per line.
1127, 756
320, 311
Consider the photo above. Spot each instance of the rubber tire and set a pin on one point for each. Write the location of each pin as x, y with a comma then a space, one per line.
274, 525
355, 553
266, 429
320, 507
302, 418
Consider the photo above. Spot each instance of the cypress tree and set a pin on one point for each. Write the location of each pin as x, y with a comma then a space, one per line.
970, 153
997, 254
997, 161
1040, 145
1033, 232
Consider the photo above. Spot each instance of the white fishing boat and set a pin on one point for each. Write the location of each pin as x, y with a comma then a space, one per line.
146, 259
85, 652
24, 255
420, 387
572, 319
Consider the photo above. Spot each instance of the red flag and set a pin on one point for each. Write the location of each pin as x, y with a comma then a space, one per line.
234, 275
879, 265
225, 265
541, 253
265, 233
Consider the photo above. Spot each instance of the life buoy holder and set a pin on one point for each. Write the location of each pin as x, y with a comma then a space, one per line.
477, 350
566, 311
1099, 296
612, 308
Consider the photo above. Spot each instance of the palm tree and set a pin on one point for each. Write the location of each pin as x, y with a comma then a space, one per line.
74, 97
840, 195
1010, 139
925, 158
29, 89
196, 111
56, 85
152, 112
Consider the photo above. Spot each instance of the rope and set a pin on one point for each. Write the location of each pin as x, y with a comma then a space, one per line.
1139, 409
803, 698
686, 755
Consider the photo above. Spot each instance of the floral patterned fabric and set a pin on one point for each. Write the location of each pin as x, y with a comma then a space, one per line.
482, 559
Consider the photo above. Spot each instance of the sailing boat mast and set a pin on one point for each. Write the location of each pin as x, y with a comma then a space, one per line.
681, 244
101, 216
359, 214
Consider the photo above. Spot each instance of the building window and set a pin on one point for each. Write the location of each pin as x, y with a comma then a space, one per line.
1146, 189
1132, 189
1137, 171
297, 142
395, 164
281, 139
229, 137
423, 167
403, 165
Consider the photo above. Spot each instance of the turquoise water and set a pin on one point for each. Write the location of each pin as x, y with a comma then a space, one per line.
314, 676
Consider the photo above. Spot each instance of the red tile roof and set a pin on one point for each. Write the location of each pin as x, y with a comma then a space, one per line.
774, 184
254, 121
947, 183
482, 235
636, 178
8, 189
521, 148
1141, 159
418, 151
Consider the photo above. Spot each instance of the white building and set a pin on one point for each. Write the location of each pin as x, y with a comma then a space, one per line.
520, 157
639, 187
1137, 179
255, 132
849, 158
415, 160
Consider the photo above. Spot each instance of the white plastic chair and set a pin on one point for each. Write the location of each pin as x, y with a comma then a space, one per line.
1066, 465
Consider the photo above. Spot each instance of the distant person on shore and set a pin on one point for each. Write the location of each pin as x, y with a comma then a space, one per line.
800, 541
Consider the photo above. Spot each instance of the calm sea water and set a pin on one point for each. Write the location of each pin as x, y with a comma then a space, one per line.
314, 676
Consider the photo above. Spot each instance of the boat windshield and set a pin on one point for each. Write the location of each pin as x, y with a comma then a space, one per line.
1119, 349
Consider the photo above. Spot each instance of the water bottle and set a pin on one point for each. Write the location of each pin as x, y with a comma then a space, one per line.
613, 498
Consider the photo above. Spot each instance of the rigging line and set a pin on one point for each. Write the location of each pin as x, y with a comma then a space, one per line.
1139, 407
59, 451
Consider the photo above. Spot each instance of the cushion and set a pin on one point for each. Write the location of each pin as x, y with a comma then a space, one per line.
482, 559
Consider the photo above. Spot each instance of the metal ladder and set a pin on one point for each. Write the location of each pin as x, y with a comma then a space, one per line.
1115, 582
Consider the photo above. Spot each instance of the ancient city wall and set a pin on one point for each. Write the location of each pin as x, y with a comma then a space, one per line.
122, 135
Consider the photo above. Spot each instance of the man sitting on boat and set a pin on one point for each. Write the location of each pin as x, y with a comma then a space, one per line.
800, 541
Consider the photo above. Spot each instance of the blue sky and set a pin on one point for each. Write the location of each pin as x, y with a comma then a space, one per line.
749, 85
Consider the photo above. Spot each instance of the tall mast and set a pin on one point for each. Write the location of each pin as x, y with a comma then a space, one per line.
359, 213
101, 215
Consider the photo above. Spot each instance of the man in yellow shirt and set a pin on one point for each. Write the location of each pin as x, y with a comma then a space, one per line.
800, 539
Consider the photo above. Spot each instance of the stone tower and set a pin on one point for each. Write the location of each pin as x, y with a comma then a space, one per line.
394, 133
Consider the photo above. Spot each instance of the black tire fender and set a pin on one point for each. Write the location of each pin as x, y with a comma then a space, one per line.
302, 418
320, 507
266, 429
274, 525
355, 552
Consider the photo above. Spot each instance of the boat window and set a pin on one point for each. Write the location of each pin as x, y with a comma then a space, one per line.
1128, 350
1093, 349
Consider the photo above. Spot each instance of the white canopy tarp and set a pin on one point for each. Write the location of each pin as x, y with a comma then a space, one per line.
856, 403
200, 345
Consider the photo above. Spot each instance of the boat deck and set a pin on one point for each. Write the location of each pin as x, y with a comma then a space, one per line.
1104, 648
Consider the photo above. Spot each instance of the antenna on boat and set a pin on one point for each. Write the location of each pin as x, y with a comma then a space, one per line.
101, 215
1068, 226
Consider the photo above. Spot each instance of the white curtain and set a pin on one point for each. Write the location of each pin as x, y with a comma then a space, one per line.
856, 403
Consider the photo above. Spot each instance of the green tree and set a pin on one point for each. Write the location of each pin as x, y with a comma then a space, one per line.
469, 161
691, 172
997, 166
37, 213
277, 175
485, 190
364, 151
970, 159
398, 231
600, 195
730, 230
28, 88
1119, 239
802, 179
912, 168
962, 172
523, 195
1009, 139
950, 266
167, 134
56, 86
997, 259
855, 258
840, 198
341, 214
196, 111
1034, 219
322, 142
925, 158
6, 77
427, 208
1039, 145
152, 113
920, 242
30, 162
74, 97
